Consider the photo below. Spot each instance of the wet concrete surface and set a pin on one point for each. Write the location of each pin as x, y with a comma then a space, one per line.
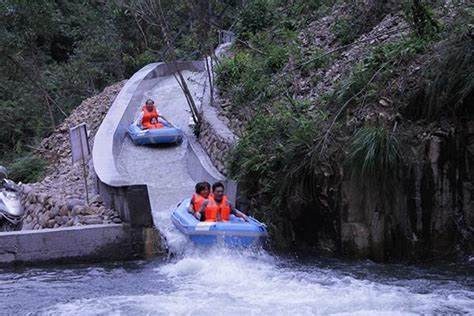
163, 168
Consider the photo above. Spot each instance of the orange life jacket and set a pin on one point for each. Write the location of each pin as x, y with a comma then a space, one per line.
198, 200
224, 209
148, 116
211, 211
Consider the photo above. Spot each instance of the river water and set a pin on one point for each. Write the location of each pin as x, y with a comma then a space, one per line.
225, 282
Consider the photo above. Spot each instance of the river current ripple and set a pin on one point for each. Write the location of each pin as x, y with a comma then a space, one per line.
224, 282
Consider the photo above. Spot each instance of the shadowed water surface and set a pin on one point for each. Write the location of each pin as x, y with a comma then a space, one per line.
227, 282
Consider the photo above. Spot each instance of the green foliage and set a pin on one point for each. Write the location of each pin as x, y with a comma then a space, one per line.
277, 58
136, 62
230, 70
27, 169
312, 60
448, 82
421, 17
242, 77
297, 13
54, 54
363, 16
293, 148
302, 7
382, 63
246, 77
279, 162
255, 16
374, 155
52, 57
343, 29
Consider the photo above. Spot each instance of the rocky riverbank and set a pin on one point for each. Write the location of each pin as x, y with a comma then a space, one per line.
59, 200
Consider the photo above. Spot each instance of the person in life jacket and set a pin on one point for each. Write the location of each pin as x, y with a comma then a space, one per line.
202, 191
149, 116
218, 207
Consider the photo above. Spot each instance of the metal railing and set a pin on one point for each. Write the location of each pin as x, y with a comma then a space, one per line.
226, 36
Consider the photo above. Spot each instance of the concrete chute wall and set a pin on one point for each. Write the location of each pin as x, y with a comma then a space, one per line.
131, 199
137, 237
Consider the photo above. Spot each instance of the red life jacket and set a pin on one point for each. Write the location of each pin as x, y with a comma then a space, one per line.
148, 117
224, 209
198, 200
211, 211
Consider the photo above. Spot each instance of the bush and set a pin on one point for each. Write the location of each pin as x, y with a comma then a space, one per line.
343, 29
230, 70
374, 156
242, 78
27, 169
277, 57
447, 83
302, 7
279, 163
421, 18
364, 15
246, 78
254, 17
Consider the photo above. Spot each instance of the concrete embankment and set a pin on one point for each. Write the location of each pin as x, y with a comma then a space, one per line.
76, 244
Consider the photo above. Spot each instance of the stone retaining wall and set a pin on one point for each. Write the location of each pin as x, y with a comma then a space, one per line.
216, 138
44, 210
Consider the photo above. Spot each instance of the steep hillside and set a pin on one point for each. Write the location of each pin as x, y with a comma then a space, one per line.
356, 132
59, 199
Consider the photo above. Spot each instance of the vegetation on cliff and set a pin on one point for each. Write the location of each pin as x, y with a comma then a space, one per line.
338, 98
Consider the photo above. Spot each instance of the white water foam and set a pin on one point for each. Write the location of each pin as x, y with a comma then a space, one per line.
176, 242
225, 282
221, 282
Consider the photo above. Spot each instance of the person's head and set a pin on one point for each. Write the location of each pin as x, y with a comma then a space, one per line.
150, 104
203, 189
218, 191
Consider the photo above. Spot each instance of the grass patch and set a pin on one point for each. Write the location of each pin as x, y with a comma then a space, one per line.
448, 83
382, 62
374, 156
343, 29
312, 60
247, 78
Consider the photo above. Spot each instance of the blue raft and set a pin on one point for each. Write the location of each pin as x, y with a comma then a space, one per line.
235, 233
166, 135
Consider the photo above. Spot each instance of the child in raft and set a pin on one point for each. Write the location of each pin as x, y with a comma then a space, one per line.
202, 191
148, 118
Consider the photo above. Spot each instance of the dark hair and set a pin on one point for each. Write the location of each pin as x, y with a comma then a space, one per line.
201, 186
150, 101
217, 185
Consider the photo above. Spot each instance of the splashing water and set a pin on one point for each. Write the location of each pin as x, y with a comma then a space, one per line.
221, 281
224, 282
228, 282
